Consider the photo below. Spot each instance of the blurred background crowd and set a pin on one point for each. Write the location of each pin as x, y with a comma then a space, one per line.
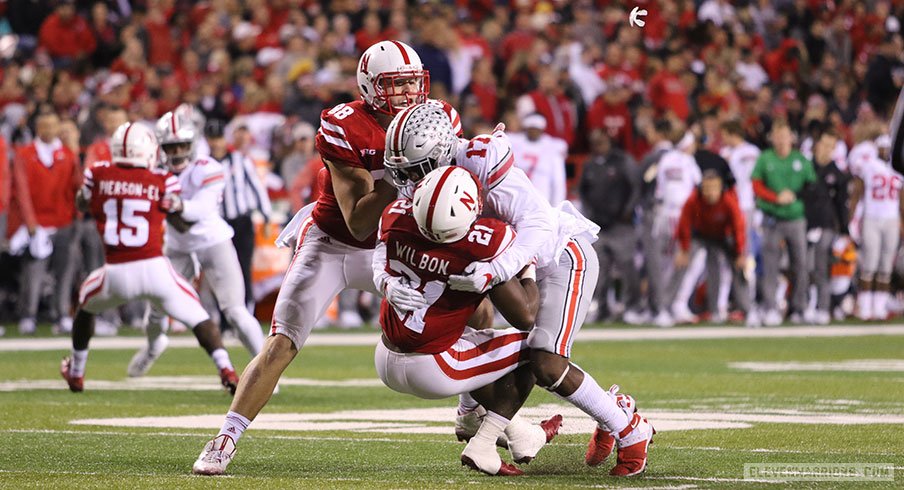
600, 113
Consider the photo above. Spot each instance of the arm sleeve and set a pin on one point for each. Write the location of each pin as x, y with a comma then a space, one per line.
379, 265
88, 180
739, 227
260, 193
333, 144
636, 181
206, 202
516, 201
841, 203
763, 192
23, 193
683, 229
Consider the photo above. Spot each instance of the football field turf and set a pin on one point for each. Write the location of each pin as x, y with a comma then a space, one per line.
739, 397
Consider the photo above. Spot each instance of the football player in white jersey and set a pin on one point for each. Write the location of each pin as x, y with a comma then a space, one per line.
421, 139
542, 157
741, 156
676, 177
198, 234
879, 187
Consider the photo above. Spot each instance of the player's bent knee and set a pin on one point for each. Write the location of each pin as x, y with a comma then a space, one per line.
549, 369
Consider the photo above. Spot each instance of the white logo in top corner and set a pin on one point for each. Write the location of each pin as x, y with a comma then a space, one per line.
633, 18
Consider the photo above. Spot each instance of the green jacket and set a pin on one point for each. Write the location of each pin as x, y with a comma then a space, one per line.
778, 174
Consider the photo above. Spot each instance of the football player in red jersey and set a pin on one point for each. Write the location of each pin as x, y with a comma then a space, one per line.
430, 352
128, 198
335, 239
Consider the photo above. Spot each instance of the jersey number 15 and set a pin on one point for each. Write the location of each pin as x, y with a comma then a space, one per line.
126, 228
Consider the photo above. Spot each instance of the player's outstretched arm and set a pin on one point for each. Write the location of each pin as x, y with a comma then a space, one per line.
361, 200
518, 299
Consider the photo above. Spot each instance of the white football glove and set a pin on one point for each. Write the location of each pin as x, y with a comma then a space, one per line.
401, 295
172, 203
478, 277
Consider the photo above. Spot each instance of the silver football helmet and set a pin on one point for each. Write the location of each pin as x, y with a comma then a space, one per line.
419, 139
176, 129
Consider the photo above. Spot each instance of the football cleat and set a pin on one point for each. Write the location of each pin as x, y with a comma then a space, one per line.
633, 442
229, 380
76, 383
486, 460
143, 359
526, 440
601, 444
215, 456
466, 426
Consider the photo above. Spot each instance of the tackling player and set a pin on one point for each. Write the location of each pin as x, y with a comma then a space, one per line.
421, 139
334, 245
430, 352
129, 199
197, 233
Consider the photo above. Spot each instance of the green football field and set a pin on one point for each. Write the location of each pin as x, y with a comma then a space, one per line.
730, 398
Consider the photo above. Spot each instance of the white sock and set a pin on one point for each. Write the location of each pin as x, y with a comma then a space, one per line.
79, 360
596, 403
880, 303
234, 425
221, 358
492, 427
466, 404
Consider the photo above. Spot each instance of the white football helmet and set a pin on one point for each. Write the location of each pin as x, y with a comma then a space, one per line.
419, 140
446, 204
176, 128
134, 144
382, 70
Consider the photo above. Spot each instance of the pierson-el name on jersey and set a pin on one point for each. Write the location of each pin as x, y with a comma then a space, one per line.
129, 189
422, 260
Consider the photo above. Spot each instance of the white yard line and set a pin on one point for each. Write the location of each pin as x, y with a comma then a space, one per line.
589, 335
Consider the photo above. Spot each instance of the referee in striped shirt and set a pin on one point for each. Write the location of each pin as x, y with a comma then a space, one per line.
244, 194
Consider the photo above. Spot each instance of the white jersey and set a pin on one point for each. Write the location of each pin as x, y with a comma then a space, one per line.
543, 231
543, 161
860, 154
881, 189
676, 177
741, 159
202, 190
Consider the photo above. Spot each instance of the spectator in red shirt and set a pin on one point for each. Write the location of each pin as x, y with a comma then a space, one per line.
667, 91
157, 24
610, 113
66, 36
711, 220
99, 151
550, 101
370, 33
46, 177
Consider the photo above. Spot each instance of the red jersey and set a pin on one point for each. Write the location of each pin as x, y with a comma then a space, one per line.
712, 221
350, 135
125, 201
428, 265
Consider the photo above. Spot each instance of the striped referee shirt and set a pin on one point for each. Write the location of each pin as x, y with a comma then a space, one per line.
244, 191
